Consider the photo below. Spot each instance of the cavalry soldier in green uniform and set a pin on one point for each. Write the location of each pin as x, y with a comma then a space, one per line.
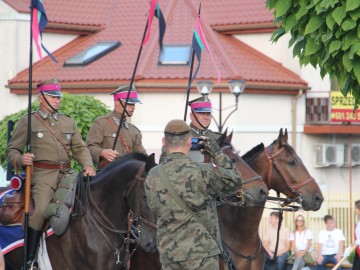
53, 136
200, 117
182, 194
101, 136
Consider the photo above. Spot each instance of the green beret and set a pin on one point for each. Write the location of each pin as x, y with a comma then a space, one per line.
177, 127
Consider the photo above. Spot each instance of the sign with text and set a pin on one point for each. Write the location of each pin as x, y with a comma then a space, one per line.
342, 108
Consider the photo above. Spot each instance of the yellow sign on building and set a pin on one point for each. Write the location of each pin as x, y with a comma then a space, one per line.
342, 108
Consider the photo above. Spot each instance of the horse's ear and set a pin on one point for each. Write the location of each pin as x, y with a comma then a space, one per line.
222, 138
283, 137
228, 138
150, 162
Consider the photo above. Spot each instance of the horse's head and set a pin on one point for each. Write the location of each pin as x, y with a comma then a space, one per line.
288, 175
144, 221
255, 190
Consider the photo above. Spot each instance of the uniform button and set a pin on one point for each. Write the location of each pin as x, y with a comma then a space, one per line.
52, 124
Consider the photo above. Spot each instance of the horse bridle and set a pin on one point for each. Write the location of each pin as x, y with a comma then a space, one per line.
240, 193
274, 163
109, 226
140, 180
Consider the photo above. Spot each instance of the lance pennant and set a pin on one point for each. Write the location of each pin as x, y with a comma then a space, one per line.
39, 22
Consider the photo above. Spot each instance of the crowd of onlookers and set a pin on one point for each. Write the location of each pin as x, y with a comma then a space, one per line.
296, 246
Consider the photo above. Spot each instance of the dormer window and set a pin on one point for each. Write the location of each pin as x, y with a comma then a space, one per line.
92, 54
175, 55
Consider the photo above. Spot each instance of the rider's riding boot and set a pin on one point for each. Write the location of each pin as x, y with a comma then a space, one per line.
33, 240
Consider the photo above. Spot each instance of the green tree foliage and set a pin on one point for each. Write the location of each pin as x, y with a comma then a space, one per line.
84, 109
324, 33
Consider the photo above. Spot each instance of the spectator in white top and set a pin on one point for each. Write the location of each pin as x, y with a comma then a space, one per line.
356, 263
330, 244
300, 242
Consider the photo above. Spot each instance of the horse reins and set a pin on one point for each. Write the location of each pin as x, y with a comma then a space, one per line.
240, 193
249, 258
274, 163
139, 180
101, 220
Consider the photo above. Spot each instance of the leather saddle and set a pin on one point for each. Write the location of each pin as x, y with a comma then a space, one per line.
12, 208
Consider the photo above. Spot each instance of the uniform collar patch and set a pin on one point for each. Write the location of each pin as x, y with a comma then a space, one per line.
200, 131
45, 115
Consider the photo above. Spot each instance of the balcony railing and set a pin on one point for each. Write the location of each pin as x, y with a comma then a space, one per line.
317, 110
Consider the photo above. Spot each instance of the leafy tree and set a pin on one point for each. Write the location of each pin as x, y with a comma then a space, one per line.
324, 33
84, 109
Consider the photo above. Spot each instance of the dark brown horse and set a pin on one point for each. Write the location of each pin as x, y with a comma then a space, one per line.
97, 238
283, 171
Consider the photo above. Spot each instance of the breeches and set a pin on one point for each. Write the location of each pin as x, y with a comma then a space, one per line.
42, 194
209, 263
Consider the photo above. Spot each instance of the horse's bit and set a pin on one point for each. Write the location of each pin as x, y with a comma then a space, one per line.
274, 163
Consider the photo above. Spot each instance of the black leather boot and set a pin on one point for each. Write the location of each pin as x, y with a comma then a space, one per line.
33, 240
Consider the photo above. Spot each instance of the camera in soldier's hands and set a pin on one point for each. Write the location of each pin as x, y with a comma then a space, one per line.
195, 144
210, 147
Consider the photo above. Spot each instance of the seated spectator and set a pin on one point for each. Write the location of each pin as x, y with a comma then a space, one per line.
330, 244
300, 242
356, 263
269, 243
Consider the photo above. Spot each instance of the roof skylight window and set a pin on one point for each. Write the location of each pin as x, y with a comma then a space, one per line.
175, 55
92, 53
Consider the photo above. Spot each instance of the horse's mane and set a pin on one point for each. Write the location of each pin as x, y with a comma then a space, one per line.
251, 155
119, 161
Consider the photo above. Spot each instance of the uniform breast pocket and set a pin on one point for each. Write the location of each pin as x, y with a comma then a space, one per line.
67, 134
39, 134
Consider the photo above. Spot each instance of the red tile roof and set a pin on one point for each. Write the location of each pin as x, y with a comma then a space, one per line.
79, 12
19, 5
235, 12
125, 23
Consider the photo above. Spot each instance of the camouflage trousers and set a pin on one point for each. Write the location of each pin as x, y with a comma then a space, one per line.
209, 263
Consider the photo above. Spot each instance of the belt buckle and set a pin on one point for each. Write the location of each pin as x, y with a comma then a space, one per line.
64, 165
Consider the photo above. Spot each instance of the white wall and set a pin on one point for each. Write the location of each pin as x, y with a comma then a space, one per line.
280, 52
14, 54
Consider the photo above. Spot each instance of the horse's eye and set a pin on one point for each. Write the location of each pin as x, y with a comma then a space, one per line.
292, 162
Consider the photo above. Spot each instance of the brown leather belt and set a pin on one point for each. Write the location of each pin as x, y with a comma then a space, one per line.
60, 166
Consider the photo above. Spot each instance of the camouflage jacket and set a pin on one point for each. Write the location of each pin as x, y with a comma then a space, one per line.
180, 237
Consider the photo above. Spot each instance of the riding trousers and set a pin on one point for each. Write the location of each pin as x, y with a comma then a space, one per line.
43, 186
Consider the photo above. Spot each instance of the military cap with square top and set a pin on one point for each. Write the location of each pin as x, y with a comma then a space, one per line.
50, 87
177, 127
122, 91
200, 105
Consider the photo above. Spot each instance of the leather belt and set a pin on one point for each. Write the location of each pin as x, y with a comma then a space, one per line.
60, 166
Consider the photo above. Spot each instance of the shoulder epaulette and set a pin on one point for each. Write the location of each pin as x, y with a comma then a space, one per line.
65, 115
134, 127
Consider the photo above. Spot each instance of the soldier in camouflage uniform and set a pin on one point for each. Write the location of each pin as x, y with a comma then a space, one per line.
185, 242
200, 117
101, 136
53, 135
